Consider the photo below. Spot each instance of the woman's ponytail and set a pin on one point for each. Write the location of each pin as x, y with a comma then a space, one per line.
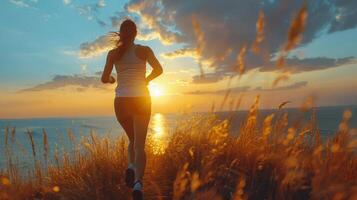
126, 35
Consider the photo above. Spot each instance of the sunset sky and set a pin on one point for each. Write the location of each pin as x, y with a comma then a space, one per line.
52, 54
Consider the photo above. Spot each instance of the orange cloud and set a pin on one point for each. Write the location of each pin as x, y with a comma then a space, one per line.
151, 22
100, 45
185, 52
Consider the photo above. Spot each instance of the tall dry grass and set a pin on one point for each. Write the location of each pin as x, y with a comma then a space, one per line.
202, 160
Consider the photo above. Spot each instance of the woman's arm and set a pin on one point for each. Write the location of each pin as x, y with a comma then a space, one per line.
106, 77
155, 64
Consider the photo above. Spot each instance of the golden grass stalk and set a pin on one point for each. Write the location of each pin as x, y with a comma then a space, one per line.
262, 159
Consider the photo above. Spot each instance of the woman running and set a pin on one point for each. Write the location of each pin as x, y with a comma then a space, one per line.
132, 103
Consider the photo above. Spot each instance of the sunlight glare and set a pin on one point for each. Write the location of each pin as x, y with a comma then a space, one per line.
156, 90
159, 136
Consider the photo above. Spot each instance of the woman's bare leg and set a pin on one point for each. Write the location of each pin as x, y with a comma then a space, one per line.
140, 130
128, 125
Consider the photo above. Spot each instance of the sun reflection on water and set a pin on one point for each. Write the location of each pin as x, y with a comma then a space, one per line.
159, 133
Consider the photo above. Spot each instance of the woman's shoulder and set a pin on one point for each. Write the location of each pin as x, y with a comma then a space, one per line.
112, 52
142, 51
142, 47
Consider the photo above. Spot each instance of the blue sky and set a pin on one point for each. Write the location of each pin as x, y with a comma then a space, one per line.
34, 39
42, 43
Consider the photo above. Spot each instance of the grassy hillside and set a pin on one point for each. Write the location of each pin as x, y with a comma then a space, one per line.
202, 160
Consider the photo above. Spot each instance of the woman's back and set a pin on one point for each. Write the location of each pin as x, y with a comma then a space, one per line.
131, 71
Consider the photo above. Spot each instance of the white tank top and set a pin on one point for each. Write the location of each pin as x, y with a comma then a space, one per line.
131, 72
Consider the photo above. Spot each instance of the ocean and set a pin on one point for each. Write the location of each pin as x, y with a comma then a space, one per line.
328, 119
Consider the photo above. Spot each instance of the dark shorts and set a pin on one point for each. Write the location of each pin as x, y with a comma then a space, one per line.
128, 107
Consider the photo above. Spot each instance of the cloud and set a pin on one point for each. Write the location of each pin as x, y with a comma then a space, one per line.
147, 29
23, 3
186, 52
83, 68
96, 47
90, 11
293, 86
147, 10
207, 78
143, 32
292, 65
231, 24
66, 2
20, 3
101, 3
345, 16
82, 83
232, 90
297, 65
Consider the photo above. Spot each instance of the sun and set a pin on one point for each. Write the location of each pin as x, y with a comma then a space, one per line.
156, 90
